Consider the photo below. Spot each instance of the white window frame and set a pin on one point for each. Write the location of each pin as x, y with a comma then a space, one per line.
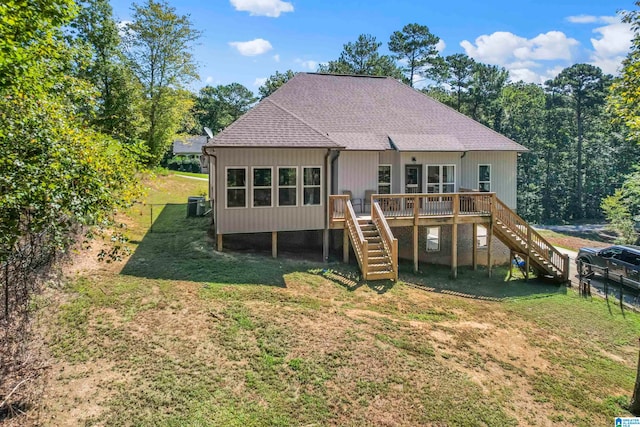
303, 186
390, 178
288, 186
227, 188
479, 237
254, 187
439, 228
490, 176
441, 183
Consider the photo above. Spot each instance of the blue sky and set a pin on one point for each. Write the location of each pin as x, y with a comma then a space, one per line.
246, 41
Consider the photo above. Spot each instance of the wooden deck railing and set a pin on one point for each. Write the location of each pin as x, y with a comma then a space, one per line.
360, 244
337, 207
533, 239
390, 242
427, 205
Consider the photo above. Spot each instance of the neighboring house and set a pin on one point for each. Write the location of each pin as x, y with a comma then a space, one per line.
192, 146
401, 173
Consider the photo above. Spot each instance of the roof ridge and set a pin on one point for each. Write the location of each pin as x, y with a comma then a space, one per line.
324, 135
458, 112
345, 75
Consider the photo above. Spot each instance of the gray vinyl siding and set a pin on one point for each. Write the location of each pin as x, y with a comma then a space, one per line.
357, 172
264, 219
503, 173
429, 158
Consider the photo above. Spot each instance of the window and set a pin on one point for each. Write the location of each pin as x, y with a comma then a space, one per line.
441, 178
236, 187
311, 185
481, 237
262, 186
384, 179
484, 177
287, 186
433, 239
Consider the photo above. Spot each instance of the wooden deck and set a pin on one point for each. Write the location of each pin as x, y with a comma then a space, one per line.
414, 210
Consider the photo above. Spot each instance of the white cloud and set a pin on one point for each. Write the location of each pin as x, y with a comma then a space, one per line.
276, 57
308, 64
259, 81
270, 8
611, 46
209, 79
503, 47
524, 58
582, 19
253, 47
440, 45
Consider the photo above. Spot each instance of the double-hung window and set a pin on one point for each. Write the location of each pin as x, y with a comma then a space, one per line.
311, 185
484, 177
236, 187
384, 179
262, 187
287, 186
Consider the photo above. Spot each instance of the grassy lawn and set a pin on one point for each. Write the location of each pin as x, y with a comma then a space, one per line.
181, 335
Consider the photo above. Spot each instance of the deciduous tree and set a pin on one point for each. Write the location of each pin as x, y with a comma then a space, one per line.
159, 48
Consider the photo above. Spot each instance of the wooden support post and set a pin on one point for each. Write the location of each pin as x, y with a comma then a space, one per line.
527, 262
511, 260
489, 245
454, 250
454, 236
274, 244
219, 242
415, 249
325, 245
345, 245
474, 250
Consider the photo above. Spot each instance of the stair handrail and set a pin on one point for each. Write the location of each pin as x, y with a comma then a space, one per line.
360, 244
559, 260
390, 242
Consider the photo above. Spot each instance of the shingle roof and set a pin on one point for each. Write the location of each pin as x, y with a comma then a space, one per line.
359, 113
269, 125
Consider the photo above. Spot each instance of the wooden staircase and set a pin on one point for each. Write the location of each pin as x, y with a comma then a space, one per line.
375, 247
379, 265
522, 239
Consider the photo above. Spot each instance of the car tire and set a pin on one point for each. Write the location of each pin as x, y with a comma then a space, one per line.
585, 267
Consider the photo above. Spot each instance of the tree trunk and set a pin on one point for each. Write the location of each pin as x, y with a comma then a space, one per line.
579, 166
634, 406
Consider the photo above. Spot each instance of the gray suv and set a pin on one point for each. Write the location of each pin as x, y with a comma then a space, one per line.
620, 260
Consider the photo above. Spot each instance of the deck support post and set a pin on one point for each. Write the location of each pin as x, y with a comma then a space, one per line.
325, 245
474, 247
489, 245
219, 242
454, 236
454, 250
345, 246
415, 248
274, 244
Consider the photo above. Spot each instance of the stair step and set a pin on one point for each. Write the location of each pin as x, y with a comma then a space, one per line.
379, 267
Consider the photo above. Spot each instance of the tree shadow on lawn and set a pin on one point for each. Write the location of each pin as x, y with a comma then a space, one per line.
178, 248
477, 284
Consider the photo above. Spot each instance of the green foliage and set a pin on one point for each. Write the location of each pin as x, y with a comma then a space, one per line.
274, 82
118, 110
623, 209
218, 107
362, 58
158, 46
417, 47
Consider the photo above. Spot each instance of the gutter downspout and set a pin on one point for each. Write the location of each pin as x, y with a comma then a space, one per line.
329, 160
213, 196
